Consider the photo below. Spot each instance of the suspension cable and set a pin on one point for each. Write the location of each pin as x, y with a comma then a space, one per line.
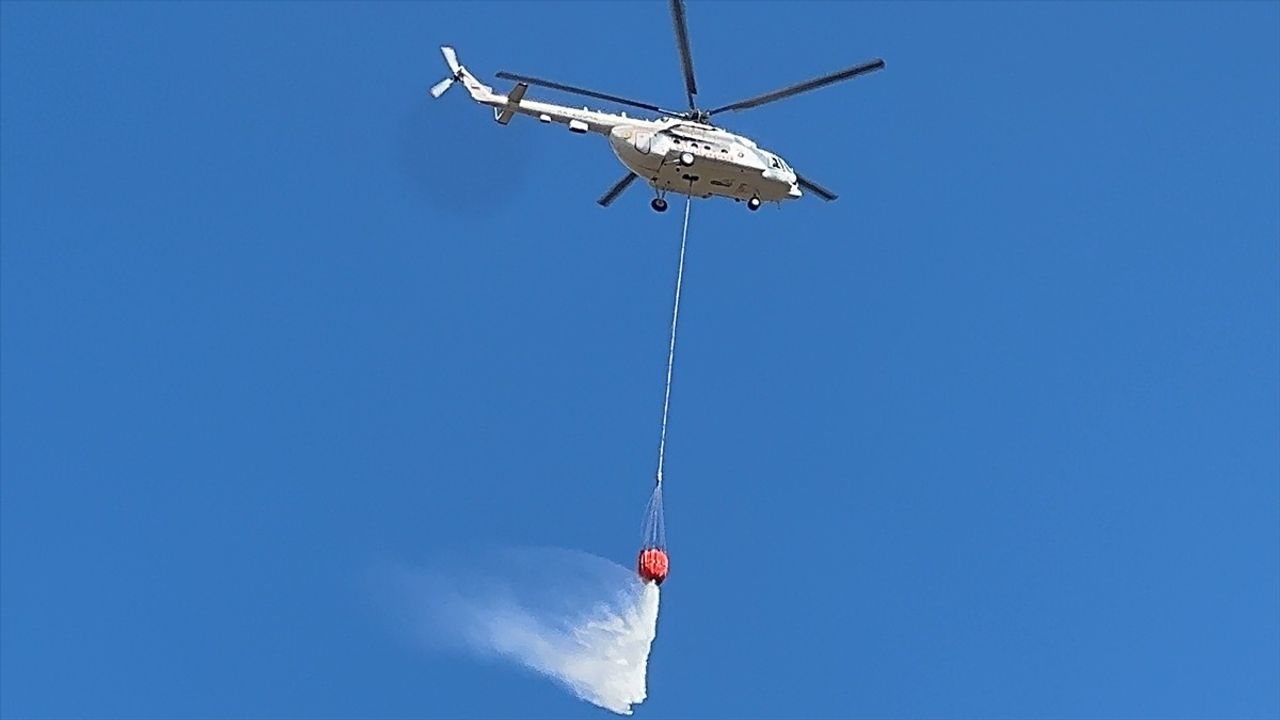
671, 350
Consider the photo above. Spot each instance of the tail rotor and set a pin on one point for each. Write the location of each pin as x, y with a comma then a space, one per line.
455, 72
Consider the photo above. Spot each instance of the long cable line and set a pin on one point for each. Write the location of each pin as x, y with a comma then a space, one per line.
671, 350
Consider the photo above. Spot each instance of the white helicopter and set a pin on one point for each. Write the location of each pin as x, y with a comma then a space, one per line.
680, 151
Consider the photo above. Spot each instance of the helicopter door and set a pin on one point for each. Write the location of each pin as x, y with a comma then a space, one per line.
644, 142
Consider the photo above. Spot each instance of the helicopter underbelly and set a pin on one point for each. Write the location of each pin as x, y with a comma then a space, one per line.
708, 177
709, 174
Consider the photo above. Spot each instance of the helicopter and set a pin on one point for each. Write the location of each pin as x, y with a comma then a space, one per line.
679, 151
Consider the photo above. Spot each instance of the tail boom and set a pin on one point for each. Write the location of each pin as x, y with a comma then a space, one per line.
508, 106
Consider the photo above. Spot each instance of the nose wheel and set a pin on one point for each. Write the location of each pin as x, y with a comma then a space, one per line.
753, 204
658, 204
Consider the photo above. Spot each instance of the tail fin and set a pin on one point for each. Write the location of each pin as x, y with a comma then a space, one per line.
478, 90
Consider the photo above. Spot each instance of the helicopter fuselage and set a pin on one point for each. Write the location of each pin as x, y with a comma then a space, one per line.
670, 154
680, 151
700, 160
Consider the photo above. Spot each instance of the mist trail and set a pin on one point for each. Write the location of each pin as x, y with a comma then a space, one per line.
581, 620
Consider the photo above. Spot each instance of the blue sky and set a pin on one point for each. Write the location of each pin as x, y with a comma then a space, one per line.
995, 435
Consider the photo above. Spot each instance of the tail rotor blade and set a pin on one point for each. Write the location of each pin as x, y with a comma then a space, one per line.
439, 88
450, 57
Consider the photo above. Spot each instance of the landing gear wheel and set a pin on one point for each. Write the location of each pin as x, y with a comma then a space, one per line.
753, 204
686, 159
658, 205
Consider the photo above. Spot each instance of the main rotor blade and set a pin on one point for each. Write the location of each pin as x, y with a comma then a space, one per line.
617, 189
813, 84
682, 44
583, 91
815, 188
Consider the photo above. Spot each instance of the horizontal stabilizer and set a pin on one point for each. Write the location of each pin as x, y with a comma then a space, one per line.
503, 115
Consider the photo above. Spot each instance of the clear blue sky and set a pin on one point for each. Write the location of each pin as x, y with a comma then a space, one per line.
995, 435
